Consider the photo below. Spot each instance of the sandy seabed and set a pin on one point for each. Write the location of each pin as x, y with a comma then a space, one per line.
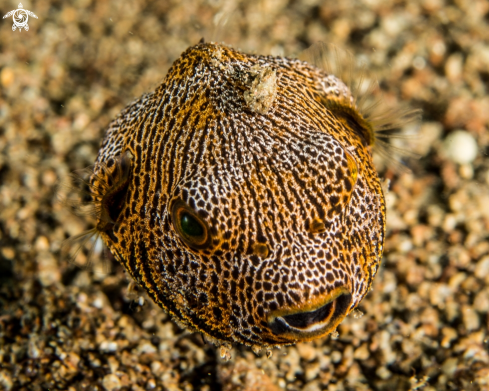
424, 324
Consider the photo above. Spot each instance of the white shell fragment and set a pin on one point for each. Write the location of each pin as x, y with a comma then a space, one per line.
460, 147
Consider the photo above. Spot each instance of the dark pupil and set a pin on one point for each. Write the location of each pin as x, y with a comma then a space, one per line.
190, 226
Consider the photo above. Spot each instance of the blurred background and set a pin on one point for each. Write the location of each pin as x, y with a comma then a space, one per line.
424, 325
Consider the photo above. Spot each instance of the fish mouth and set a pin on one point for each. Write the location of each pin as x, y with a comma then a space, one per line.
311, 322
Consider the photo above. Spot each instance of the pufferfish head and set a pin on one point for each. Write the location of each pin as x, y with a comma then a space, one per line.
241, 195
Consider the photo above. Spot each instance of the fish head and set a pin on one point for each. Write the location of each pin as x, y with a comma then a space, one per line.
245, 206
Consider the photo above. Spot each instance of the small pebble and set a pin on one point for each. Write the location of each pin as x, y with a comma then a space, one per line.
362, 353
307, 351
449, 366
7, 77
147, 347
471, 318
111, 382
383, 373
482, 268
48, 269
336, 356
460, 147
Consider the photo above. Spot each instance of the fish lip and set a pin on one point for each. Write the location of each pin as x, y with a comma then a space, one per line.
298, 324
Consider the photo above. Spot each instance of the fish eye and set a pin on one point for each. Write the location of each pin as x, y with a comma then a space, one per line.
191, 228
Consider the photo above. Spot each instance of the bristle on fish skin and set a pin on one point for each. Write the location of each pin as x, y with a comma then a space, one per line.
361, 104
87, 251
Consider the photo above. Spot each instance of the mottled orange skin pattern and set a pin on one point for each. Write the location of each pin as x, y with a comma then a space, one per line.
289, 201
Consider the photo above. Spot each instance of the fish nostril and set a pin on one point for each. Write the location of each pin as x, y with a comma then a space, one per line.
317, 226
260, 249
303, 325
